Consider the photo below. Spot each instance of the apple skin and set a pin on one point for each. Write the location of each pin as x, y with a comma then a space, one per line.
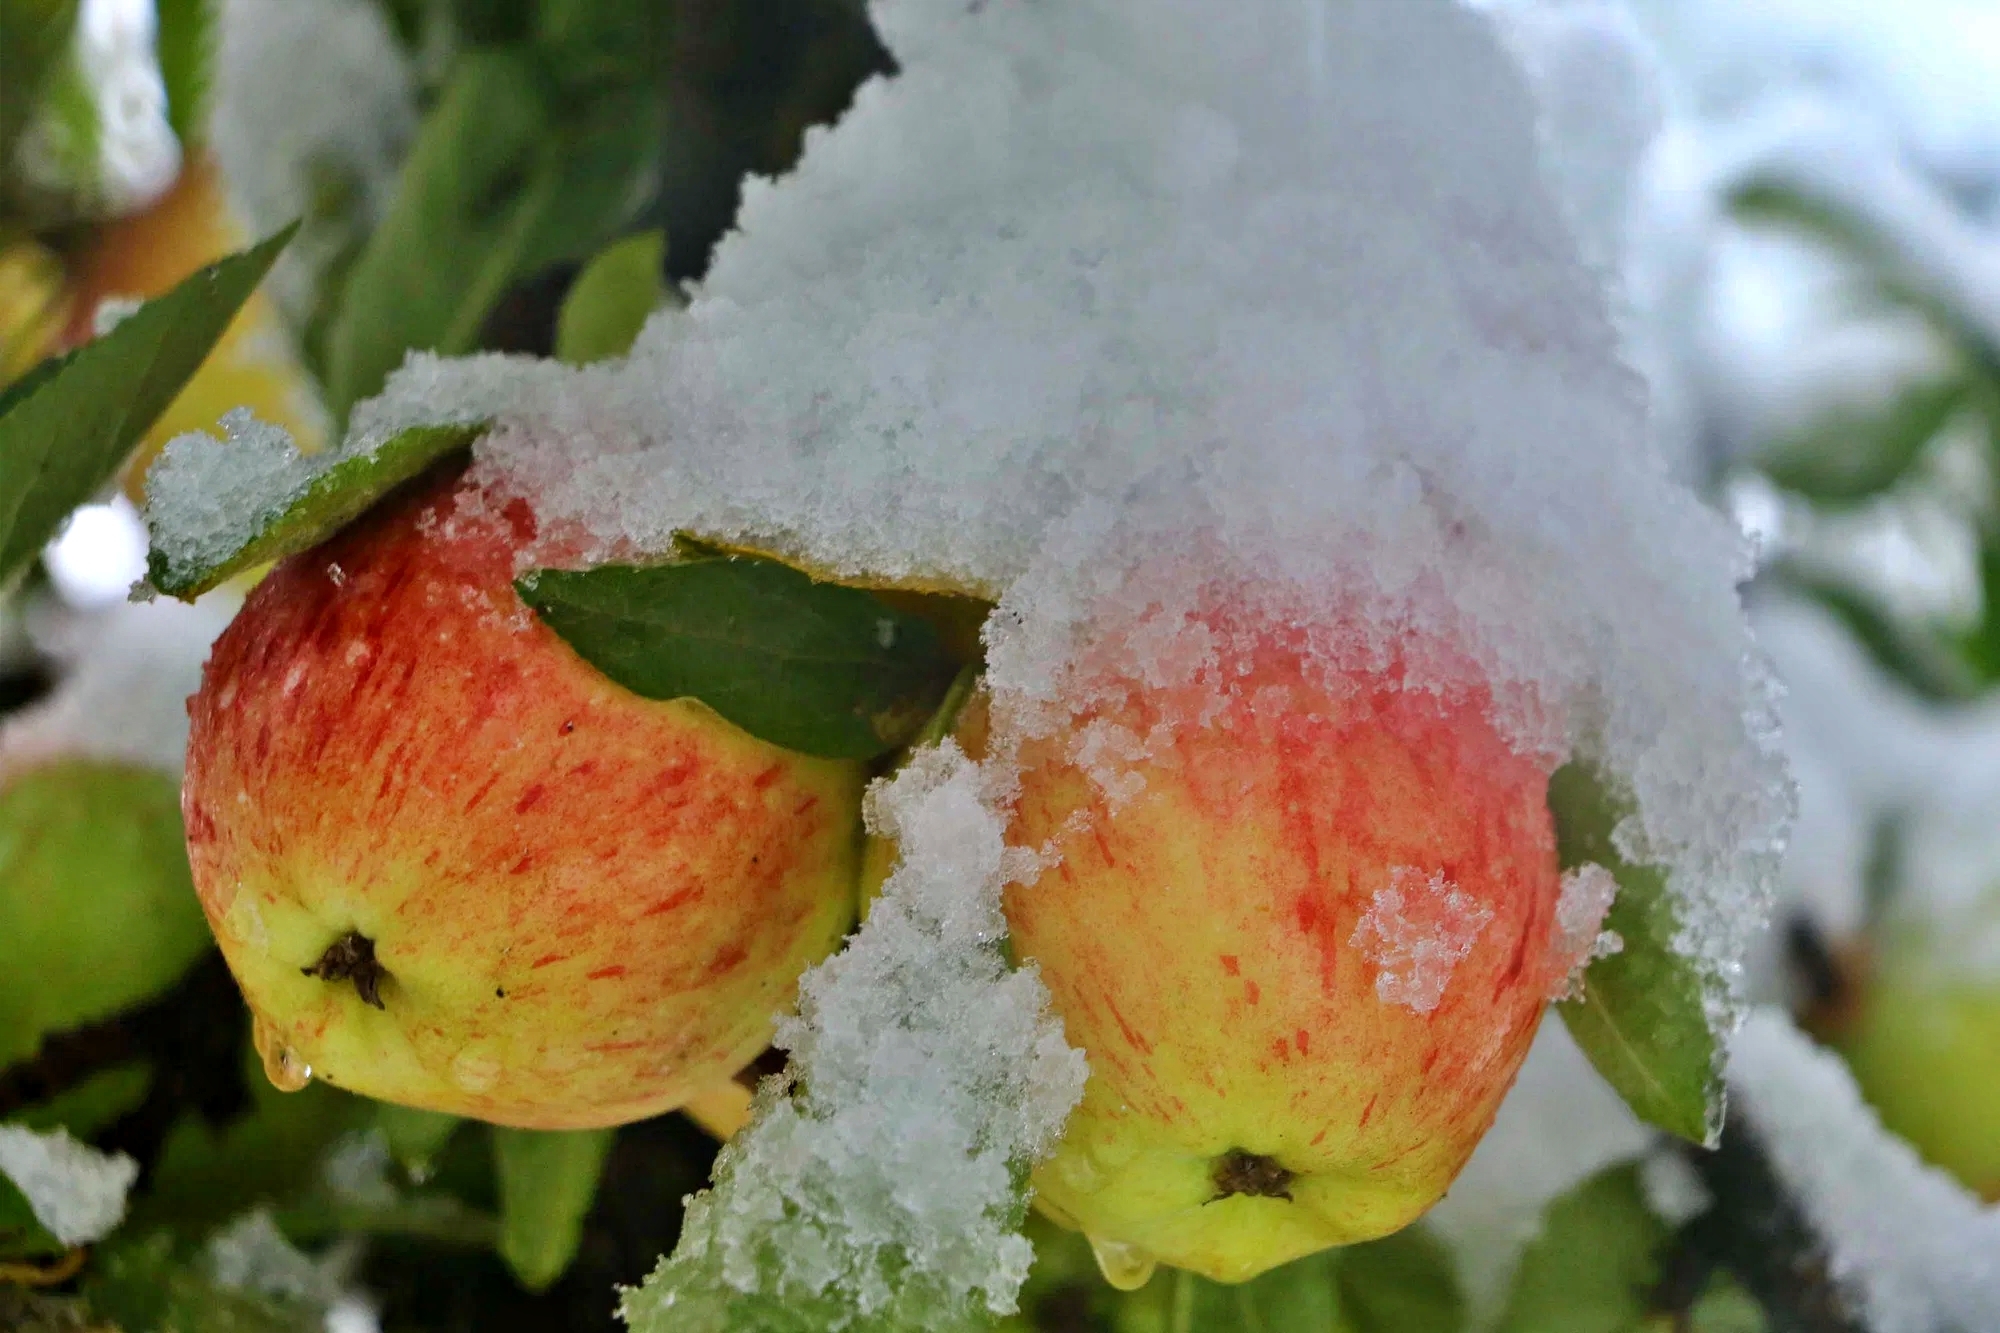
1924, 1047
1205, 947
589, 906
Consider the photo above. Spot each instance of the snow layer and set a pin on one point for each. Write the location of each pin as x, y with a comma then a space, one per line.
1119, 313
931, 1075
76, 1192
1921, 1252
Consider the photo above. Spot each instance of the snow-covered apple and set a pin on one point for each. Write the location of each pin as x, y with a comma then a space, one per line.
1304, 937
452, 865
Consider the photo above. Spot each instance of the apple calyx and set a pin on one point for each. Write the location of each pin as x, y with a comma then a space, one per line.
352, 958
1240, 1172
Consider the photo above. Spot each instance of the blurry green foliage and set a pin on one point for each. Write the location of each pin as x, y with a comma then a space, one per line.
82, 845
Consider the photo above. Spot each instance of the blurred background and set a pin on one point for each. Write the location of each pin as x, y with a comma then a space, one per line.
1796, 202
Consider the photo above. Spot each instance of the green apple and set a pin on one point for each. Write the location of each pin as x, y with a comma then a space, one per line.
1923, 1041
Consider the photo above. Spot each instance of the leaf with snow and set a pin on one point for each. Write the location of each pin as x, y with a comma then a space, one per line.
1641, 1017
218, 507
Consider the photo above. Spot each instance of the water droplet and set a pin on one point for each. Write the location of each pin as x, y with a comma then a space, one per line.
474, 1070
1126, 1267
285, 1067
1076, 1171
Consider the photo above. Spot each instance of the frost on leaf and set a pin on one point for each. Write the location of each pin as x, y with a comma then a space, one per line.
1415, 931
76, 1192
882, 1189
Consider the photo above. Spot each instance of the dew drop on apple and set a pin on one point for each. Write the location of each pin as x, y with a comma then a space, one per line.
284, 1066
1126, 1267
475, 1070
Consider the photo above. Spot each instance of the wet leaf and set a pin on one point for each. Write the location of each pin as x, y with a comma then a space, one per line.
815, 667
1641, 1017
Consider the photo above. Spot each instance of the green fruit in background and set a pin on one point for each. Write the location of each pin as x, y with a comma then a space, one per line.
97, 910
1924, 1045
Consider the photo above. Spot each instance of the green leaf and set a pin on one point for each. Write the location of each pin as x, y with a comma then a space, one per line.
34, 37
333, 498
455, 207
1854, 458
415, 1137
186, 48
209, 1174
83, 843
1641, 1017
500, 184
814, 667
547, 1181
612, 298
1594, 1263
93, 1104
67, 435
1404, 1283
146, 1287
22, 1236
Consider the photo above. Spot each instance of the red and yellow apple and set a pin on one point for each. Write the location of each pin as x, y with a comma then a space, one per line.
1304, 959
454, 866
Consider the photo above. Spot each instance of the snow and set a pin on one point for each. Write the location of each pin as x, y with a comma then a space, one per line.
127, 672
1414, 932
75, 1192
252, 1254
312, 99
1118, 315
132, 155
99, 554
1921, 1252
927, 1074
1587, 894
1112, 317
206, 498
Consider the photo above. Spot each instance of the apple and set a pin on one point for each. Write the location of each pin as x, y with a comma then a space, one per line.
1922, 1038
1304, 959
454, 866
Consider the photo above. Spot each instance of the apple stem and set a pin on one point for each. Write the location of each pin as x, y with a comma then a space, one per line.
352, 958
1240, 1172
